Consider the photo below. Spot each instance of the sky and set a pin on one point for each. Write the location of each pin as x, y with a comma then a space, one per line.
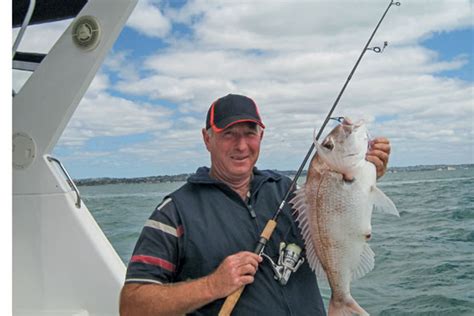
143, 113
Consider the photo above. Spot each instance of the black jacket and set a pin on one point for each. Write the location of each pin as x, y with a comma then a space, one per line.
217, 223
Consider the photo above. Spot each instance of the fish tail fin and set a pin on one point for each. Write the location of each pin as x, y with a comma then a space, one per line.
346, 308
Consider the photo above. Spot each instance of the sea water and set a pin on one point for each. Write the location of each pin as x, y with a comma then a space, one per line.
424, 260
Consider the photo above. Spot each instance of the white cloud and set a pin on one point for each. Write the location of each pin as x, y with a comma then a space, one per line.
317, 25
176, 150
292, 58
148, 19
101, 114
120, 63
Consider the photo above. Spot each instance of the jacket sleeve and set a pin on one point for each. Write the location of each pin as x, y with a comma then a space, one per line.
155, 258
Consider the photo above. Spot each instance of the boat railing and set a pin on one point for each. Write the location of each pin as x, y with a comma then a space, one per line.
68, 178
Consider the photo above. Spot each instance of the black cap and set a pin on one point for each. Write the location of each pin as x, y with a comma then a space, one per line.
230, 110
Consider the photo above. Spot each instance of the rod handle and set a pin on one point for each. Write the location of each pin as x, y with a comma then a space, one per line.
230, 302
268, 230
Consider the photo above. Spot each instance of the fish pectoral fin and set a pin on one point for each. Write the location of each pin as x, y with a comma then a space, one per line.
366, 263
382, 202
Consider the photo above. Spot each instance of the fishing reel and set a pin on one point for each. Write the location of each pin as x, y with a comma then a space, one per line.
288, 262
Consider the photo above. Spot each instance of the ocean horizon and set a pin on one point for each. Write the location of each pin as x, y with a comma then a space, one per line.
290, 173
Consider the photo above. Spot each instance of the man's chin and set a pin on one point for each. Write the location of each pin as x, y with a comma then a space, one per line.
242, 169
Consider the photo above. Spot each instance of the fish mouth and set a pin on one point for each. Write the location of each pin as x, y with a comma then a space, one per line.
348, 122
349, 127
359, 123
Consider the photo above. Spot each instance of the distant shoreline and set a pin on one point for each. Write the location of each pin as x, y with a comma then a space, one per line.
290, 173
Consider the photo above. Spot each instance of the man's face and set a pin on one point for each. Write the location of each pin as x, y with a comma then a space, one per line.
235, 150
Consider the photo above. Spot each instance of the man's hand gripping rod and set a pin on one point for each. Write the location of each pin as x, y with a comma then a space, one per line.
267, 232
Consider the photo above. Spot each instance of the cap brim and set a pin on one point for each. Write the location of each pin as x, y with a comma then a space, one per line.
232, 121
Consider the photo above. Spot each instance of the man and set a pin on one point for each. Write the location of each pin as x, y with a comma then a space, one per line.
196, 248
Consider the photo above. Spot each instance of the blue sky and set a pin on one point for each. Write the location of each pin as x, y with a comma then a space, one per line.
452, 44
143, 112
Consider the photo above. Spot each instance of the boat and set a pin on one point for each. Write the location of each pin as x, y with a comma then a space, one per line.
63, 263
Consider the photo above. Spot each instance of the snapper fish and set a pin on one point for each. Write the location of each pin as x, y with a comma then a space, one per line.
334, 210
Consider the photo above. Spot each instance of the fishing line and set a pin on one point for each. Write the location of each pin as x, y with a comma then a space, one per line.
232, 299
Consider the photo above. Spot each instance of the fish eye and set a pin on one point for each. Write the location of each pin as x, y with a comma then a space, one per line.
329, 145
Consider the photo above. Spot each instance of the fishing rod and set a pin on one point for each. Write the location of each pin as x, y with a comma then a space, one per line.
232, 299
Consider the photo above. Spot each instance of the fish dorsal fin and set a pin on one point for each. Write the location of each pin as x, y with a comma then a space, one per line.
382, 202
366, 264
302, 217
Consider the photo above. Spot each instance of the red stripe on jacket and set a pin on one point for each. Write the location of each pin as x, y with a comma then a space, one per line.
179, 231
154, 261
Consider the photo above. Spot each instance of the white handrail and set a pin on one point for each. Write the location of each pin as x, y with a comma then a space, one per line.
69, 180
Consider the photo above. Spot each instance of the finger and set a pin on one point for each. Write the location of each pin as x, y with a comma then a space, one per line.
381, 155
382, 140
380, 146
247, 269
376, 161
246, 279
249, 262
250, 254
380, 165
240, 257
249, 257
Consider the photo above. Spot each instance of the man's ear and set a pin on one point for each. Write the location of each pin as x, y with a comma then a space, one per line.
261, 135
205, 138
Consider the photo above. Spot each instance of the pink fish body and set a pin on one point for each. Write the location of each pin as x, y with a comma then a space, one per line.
334, 213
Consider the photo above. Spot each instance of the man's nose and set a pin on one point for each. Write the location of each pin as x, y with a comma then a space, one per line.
241, 142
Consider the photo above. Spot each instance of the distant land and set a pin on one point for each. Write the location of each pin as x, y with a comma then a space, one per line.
290, 173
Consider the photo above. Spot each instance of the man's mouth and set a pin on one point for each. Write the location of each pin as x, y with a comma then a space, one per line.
239, 158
